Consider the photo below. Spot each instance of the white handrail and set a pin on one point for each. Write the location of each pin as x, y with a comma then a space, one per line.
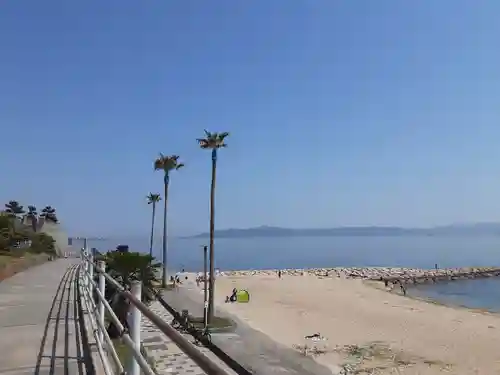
137, 362
137, 308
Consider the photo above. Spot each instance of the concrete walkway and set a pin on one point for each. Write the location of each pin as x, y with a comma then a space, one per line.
40, 330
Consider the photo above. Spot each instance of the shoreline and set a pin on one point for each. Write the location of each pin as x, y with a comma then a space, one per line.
379, 286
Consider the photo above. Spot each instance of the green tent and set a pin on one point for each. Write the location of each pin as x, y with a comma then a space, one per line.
242, 296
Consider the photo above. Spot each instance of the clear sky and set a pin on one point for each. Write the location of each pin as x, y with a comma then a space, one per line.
340, 112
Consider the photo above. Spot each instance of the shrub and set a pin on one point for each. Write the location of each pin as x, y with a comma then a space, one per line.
42, 243
126, 267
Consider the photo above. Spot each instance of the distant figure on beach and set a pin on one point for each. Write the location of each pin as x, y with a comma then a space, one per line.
233, 296
279, 274
403, 289
436, 266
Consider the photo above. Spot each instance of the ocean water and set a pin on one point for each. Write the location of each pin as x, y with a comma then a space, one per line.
310, 252
475, 293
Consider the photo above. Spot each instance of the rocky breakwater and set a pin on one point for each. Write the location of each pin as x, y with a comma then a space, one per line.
414, 277
388, 275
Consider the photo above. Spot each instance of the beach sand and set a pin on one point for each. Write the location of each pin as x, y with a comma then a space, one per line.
367, 327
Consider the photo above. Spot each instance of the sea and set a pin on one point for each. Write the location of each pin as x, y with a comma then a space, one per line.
365, 251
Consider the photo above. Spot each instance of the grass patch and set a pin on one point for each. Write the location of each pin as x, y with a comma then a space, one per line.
218, 324
125, 354
4, 259
123, 351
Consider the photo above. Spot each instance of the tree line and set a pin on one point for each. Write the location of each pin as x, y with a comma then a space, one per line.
21, 230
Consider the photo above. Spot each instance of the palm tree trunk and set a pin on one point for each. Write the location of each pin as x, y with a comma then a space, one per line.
152, 230
211, 307
165, 204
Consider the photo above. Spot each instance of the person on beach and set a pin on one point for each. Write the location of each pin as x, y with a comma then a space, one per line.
233, 296
403, 289
279, 274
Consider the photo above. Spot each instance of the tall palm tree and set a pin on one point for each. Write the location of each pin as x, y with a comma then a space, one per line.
153, 199
212, 141
166, 164
32, 216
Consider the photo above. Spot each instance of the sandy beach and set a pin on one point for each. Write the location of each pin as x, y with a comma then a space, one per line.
368, 330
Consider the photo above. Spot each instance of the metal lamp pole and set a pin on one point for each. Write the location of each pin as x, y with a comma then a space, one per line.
205, 290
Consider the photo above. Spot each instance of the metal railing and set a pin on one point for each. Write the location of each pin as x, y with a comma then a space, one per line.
131, 337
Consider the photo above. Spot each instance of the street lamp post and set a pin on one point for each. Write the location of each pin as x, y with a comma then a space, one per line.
205, 290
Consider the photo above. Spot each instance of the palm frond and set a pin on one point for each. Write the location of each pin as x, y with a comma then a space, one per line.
153, 198
203, 143
158, 164
223, 135
213, 140
167, 163
179, 166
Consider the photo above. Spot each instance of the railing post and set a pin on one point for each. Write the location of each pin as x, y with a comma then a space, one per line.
85, 268
91, 271
101, 266
135, 327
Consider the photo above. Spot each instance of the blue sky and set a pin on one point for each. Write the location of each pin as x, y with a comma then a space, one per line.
340, 112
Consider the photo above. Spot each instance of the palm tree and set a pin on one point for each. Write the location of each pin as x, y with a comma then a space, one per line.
153, 199
32, 216
212, 141
49, 214
166, 164
14, 209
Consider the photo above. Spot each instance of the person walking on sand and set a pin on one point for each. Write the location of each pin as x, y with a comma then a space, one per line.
403, 289
279, 274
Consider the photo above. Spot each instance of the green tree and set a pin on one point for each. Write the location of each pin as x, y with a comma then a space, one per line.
167, 164
49, 214
12, 232
32, 217
122, 249
212, 141
152, 200
14, 209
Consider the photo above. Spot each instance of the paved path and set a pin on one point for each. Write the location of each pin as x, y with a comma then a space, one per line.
40, 330
168, 358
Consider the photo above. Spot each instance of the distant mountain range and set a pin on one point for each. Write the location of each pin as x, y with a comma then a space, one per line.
474, 229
